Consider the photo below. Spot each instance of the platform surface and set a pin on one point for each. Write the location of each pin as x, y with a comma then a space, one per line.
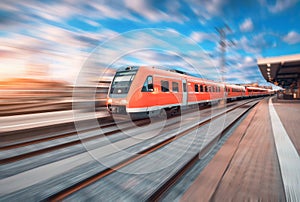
289, 114
255, 162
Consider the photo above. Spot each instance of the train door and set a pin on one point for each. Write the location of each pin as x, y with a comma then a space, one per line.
184, 92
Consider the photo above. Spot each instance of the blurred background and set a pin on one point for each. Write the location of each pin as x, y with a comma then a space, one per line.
46, 44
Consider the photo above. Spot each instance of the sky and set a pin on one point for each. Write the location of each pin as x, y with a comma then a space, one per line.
69, 39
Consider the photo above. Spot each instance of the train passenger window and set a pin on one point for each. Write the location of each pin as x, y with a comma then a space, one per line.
175, 87
184, 87
196, 88
201, 88
206, 88
148, 85
164, 86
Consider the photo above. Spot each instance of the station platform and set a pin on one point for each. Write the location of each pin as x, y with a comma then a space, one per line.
259, 161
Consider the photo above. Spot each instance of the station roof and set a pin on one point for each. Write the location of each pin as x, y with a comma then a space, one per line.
282, 70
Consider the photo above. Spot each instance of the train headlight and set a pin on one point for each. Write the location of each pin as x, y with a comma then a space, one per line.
109, 101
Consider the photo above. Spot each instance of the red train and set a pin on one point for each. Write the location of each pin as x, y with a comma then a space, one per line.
150, 90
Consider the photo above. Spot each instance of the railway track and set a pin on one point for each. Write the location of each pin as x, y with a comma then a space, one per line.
59, 142
168, 182
30, 108
65, 140
13, 152
30, 135
158, 143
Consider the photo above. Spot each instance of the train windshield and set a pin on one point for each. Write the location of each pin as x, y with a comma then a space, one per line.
122, 82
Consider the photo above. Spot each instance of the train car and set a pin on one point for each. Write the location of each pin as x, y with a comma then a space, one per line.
142, 89
270, 92
234, 92
256, 91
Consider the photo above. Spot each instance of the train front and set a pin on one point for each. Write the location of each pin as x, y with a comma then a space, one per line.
117, 95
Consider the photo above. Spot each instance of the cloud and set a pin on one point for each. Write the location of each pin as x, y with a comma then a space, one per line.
279, 6
206, 9
246, 45
92, 22
255, 44
202, 36
247, 25
153, 47
41, 32
242, 69
108, 9
156, 12
292, 37
62, 50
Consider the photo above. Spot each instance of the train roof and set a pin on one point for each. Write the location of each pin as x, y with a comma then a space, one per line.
126, 68
187, 76
234, 86
255, 88
169, 71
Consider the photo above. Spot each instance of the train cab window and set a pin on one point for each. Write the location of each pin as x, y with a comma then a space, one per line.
148, 85
175, 87
196, 88
201, 88
121, 83
164, 86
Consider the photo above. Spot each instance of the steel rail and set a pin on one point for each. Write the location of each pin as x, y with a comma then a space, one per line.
88, 181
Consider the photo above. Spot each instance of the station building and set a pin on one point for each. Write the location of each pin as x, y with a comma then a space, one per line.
282, 71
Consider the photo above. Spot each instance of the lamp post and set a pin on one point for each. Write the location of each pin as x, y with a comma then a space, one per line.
223, 44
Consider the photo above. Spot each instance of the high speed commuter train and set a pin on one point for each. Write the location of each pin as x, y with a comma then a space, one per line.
149, 90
